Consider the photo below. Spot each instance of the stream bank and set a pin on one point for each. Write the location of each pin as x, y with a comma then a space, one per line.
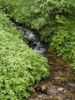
61, 84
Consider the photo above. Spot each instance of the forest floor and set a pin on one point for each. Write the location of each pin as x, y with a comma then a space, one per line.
60, 85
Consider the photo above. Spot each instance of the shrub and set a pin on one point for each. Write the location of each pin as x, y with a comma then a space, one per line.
58, 30
63, 42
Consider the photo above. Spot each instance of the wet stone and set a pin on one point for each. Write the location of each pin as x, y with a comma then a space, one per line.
58, 98
60, 89
42, 89
71, 85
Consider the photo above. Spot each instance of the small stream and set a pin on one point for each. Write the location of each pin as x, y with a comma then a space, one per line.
32, 39
60, 85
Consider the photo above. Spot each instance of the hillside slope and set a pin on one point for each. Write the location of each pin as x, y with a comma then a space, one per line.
20, 67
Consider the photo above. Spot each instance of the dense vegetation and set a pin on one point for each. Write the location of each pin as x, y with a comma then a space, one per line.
20, 67
54, 20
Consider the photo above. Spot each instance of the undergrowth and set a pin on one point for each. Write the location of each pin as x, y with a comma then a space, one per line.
52, 19
20, 66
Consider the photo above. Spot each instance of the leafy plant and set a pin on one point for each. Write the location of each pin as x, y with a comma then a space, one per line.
20, 66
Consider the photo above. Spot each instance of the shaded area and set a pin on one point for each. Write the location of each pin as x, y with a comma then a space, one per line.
61, 84
33, 39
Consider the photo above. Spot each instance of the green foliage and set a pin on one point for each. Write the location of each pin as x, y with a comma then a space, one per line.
53, 12
63, 42
19, 9
52, 19
58, 29
6, 24
52, 7
20, 66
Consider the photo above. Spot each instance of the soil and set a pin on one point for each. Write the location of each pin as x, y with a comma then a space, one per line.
61, 83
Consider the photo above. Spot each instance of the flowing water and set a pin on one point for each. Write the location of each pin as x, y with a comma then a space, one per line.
33, 41
60, 85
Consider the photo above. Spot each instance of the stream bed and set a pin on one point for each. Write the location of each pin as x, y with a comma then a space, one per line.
60, 85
